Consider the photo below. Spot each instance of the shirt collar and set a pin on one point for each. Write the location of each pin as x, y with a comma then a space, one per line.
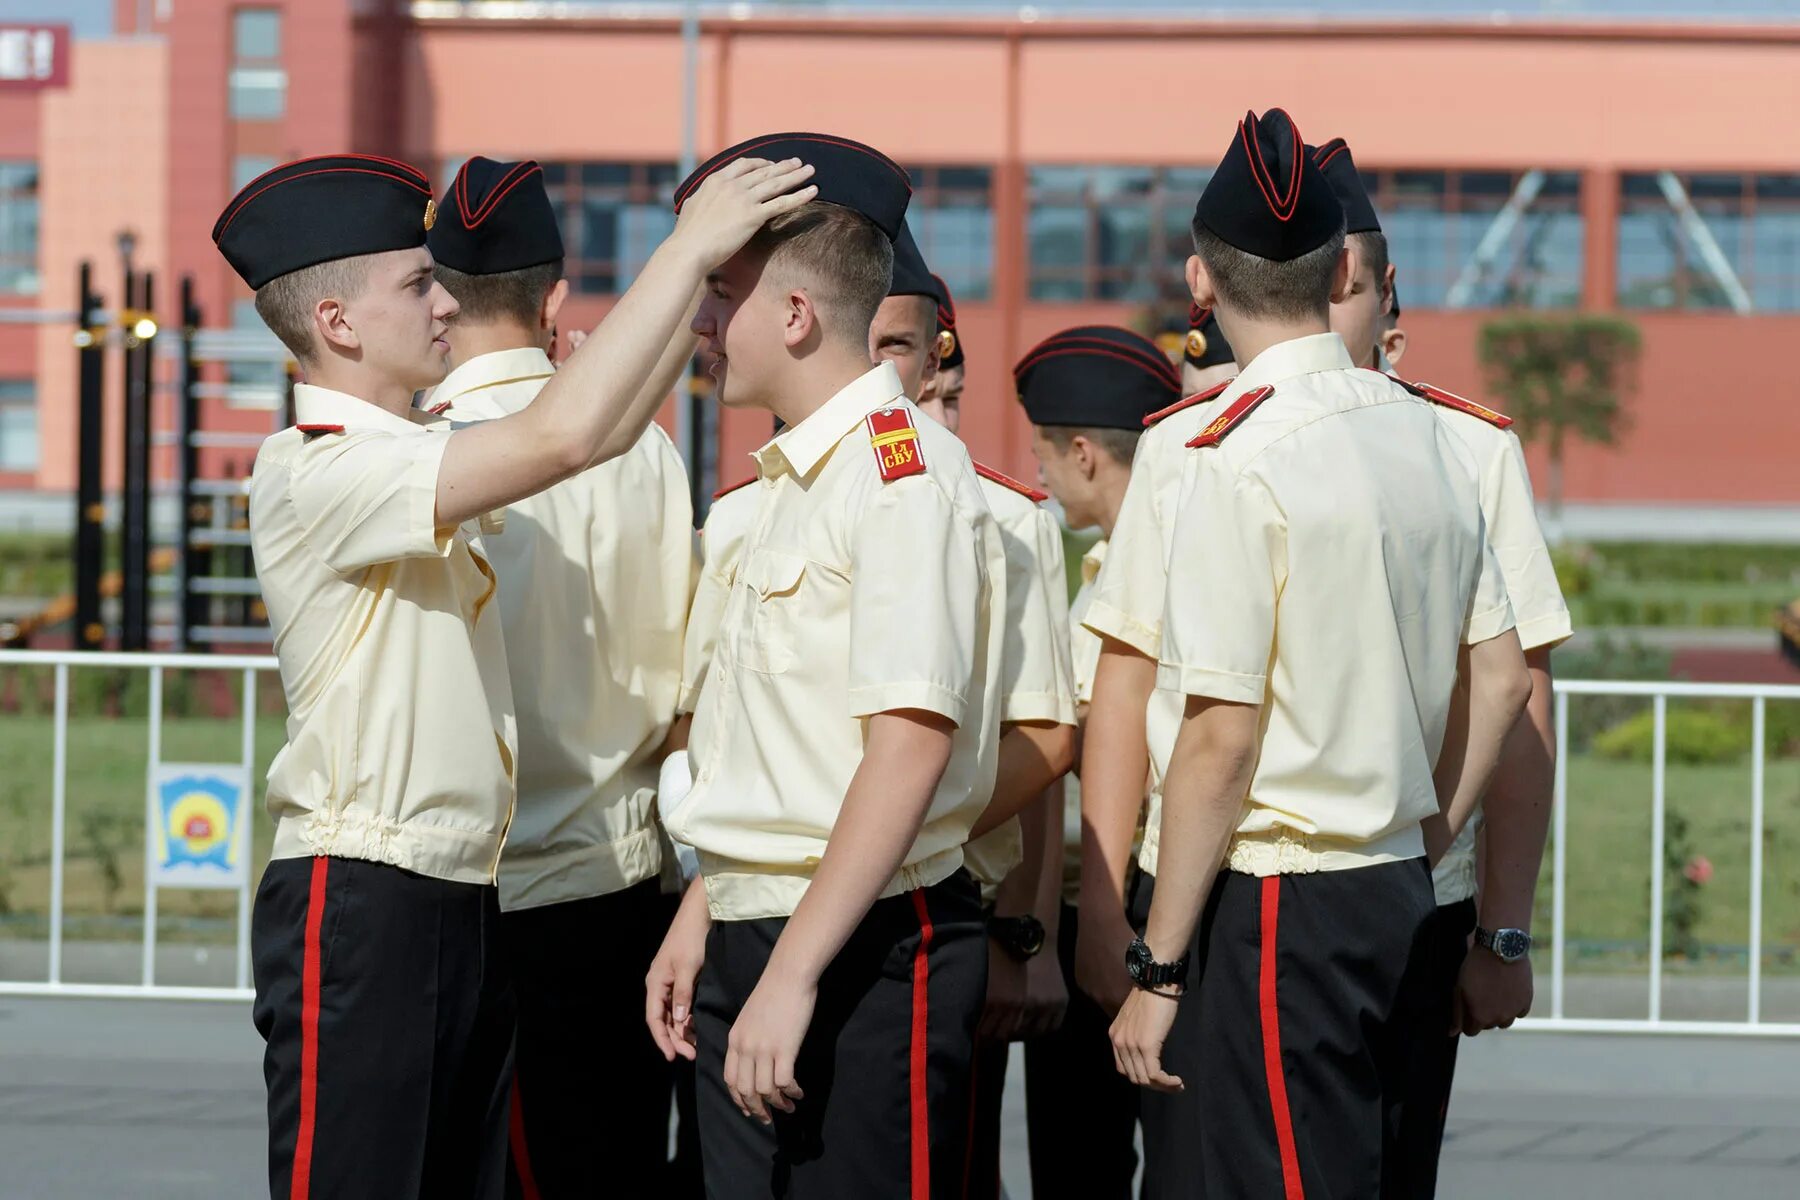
1092, 561
800, 448
489, 371
1307, 355
322, 406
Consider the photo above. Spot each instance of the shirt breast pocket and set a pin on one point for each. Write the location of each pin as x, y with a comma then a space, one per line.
769, 638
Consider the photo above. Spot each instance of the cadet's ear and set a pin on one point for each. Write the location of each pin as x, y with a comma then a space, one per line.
1387, 290
552, 305
800, 319
1348, 264
1393, 344
1085, 454
1200, 285
331, 325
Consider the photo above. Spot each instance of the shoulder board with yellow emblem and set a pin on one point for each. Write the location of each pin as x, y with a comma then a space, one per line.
1438, 395
1011, 484
1228, 420
313, 431
1187, 402
896, 444
732, 487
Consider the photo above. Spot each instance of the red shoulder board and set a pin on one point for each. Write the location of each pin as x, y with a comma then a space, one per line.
1189, 402
315, 430
896, 444
439, 409
1451, 400
1228, 420
732, 487
1007, 481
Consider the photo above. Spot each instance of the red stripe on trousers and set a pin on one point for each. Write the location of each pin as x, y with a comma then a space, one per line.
921, 1116
515, 1134
1271, 1040
300, 1183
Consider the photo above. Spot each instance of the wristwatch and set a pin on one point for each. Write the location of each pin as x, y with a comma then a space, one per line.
1149, 974
1508, 945
1021, 936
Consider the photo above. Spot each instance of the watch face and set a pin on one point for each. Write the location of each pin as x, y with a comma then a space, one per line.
1511, 944
1031, 936
1137, 959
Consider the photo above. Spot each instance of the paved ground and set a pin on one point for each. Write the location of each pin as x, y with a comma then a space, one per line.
163, 1101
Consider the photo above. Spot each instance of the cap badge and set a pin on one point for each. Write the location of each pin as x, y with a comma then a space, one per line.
946, 343
430, 214
1196, 343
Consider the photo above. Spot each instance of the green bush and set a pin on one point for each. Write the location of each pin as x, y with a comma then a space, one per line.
1692, 737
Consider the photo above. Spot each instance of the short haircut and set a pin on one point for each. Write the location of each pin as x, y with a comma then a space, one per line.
504, 296
1262, 287
1121, 444
286, 303
1372, 247
840, 256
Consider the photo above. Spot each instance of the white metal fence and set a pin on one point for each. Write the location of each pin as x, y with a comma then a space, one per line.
1551, 1006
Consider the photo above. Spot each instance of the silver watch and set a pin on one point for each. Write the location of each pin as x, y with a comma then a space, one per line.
1508, 945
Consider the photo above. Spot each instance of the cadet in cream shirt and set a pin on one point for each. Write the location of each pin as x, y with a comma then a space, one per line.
1537, 599
399, 724
595, 577
1036, 683
1126, 599
1329, 560
853, 597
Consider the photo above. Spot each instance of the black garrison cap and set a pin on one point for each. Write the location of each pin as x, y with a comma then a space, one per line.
1335, 161
496, 217
1268, 197
1205, 345
950, 347
1098, 376
845, 172
911, 276
318, 210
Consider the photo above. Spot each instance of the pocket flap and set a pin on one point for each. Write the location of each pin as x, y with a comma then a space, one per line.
774, 573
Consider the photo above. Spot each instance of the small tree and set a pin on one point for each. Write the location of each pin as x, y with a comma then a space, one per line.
1557, 376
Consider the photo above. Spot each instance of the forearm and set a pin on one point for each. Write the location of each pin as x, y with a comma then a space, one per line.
663, 377
601, 391
1115, 765
1035, 885
1032, 756
1203, 795
1518, 806
1498, 688
883, 810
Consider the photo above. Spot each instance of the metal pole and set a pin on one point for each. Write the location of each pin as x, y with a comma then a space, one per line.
152, 826
134, 540
1758, 736
1659, 709
1559, 862
59, 817
90, 505
195, 560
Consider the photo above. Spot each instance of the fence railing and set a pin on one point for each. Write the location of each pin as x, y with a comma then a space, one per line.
1552, 1008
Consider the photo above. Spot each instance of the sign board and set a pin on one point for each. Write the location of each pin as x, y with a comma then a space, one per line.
33, 56
199, 810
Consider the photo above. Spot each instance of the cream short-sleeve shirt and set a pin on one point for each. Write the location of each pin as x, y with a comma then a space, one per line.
595, 579
721, 544
1330, 560
399, 744
854, 596
1036, 675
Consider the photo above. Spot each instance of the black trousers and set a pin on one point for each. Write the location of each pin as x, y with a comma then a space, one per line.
885, 1063
1081, 1114
383, 998
1294, 1042
590, 1101
1433, 1065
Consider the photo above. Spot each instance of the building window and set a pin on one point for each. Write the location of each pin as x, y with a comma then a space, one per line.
952, 218
613, 216
1709, 241
19, 228
18, 425
1111, 233
246, 167
258, 80
1482, 239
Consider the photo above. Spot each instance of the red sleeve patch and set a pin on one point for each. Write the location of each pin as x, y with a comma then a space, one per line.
1231, 418
732, 487
1188, 402
315, 430
896, 444
1008, 482
1439, 396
